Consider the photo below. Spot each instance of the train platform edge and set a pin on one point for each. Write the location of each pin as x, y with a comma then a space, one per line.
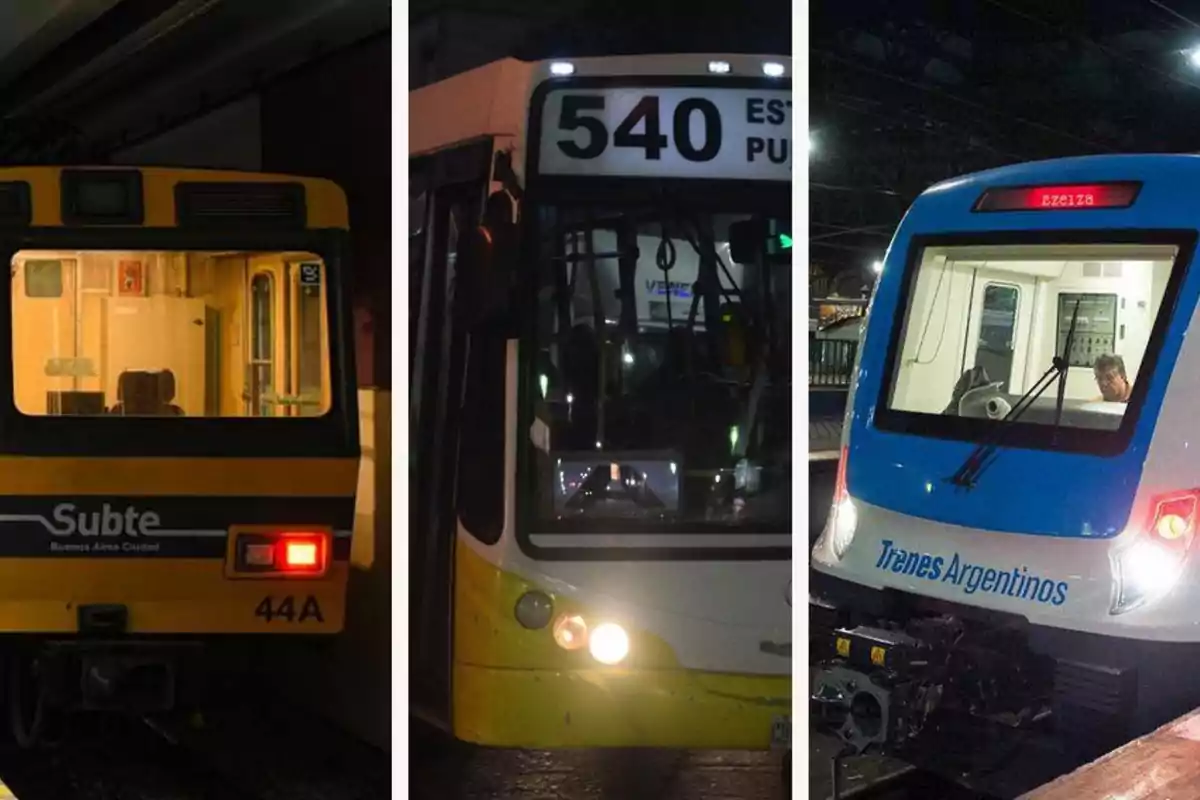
1163, 763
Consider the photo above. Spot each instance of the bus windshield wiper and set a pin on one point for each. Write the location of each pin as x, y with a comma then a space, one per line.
968, 474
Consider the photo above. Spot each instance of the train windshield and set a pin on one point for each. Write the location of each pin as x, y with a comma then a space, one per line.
663, 371
170, 334
980, 326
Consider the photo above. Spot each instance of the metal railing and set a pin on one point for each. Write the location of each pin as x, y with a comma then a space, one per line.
830, 362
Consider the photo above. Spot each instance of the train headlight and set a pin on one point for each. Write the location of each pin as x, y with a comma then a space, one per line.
1143, 573
609, 644
842, 524
1150, 567
843, 516
533, 610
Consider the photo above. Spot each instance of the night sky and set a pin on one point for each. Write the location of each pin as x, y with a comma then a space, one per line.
907, 94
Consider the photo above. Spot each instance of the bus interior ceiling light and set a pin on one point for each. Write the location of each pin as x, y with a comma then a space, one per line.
773, 69
719, 67
1193, 56
562, 68
877, 267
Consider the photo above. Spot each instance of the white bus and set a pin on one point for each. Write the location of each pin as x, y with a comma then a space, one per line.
600, 463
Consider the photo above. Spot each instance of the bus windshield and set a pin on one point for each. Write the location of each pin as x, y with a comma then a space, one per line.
662, 372
980, 325
104, 333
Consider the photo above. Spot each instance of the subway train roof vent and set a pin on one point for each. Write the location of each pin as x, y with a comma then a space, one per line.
245, 205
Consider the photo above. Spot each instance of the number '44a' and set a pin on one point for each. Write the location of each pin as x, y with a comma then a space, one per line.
285, 609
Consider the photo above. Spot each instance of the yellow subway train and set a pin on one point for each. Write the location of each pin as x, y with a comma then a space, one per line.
179, 432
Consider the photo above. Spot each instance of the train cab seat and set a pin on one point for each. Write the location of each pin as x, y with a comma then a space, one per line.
166, 394
142, 393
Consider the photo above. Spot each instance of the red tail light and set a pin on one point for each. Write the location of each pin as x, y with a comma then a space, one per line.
1174, 518
301, 554
263, 553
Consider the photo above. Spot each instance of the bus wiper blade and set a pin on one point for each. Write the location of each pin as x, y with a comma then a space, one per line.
968, 474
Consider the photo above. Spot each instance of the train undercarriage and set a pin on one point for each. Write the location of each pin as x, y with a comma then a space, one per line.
981, 697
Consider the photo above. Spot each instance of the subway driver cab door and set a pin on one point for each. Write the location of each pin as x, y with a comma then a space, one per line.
285, 373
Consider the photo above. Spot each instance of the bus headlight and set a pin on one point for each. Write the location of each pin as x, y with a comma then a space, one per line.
570, 632
533, 610
609, 644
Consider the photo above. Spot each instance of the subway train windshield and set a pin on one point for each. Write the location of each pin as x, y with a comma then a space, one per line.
662, 377
181, 334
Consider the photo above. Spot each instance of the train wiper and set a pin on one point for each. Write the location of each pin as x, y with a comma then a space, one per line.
1062, 373
968, 474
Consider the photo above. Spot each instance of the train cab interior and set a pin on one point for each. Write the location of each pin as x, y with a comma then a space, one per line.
187, 334
999, 314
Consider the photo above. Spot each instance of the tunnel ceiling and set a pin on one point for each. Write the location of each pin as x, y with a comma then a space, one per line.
904, 95
79, 78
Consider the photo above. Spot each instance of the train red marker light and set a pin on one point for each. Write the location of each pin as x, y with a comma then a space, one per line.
1061, 197
267, 553
301, 553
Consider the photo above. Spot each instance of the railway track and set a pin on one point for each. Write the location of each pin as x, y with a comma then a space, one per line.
910, 784
251, 753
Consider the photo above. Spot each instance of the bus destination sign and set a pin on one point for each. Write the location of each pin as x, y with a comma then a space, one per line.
667, 132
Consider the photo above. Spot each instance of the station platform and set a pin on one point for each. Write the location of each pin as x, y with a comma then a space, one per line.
1162, 764
824, 439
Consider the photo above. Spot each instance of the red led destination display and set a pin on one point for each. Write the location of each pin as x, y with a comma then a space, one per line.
1066, 197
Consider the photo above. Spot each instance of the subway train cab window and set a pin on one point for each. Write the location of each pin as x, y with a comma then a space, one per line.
170, 334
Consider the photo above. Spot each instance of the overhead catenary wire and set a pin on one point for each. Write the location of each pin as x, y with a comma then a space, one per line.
964, 101
1109, 51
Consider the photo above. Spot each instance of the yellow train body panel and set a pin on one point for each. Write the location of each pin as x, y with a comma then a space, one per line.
149, 477
514, 687
177, 595
180, 596
325, 201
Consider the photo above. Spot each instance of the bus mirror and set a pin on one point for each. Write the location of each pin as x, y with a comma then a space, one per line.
486, 273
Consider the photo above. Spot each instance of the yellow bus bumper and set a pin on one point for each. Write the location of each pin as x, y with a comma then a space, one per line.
612, 707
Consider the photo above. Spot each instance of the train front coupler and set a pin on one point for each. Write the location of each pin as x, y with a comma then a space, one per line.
879, 691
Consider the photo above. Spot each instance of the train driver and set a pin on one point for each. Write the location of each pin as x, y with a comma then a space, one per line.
1109, 371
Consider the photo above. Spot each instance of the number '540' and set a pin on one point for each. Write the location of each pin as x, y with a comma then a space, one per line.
652, 141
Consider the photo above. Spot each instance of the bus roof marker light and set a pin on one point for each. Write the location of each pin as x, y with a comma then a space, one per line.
562, 68
719, 67
773, 69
